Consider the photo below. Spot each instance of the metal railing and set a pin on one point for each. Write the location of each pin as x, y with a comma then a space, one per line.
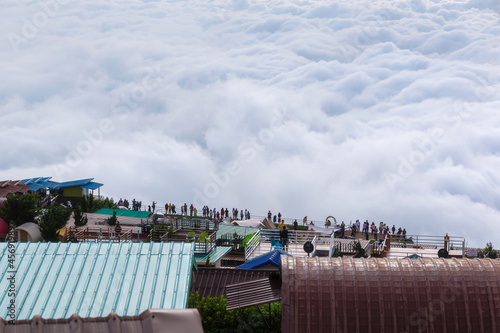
206, 246
196, 224
314, 241
332, 245
99, 235
380, 248
252, 244
428, 242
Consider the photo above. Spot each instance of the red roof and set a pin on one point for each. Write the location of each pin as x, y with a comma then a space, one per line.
12, 186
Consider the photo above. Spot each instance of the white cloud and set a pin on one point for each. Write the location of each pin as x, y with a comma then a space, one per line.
379, 110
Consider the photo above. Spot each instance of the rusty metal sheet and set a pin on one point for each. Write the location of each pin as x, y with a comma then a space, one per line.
252, 293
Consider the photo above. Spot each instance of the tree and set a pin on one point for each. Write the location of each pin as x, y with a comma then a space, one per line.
53, 219
90, 204
216, 319
112, 220
80, 218
488, 252
20, 208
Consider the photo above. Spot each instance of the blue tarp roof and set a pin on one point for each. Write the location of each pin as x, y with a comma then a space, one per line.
272, 257
56, 280
92, 185
40, 183
79, 182
44, 183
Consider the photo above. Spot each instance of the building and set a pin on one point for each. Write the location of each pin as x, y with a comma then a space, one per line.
390, 295
58, 280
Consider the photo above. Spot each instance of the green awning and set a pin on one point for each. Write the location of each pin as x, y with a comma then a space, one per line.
124, 212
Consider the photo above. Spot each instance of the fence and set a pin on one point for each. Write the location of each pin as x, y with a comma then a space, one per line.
428, 242
195, 224
99, 235
252, 244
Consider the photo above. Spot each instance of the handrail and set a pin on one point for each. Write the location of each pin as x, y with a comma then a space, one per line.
252, 244
332, 245
314, 241
381, 247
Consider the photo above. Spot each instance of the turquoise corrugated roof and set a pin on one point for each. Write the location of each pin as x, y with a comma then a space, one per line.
56, 280
231, 229
124, 212
215, 255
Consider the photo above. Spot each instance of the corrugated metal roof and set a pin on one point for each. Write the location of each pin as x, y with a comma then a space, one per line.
124, 212
390, 295
150, 321
215, 255
231, 229
56, 280
212, 282
257, 292
271, 258
15, 186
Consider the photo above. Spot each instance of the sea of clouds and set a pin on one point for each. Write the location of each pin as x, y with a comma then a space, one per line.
371, 110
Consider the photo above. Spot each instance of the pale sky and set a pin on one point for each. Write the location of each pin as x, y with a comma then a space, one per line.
378, 110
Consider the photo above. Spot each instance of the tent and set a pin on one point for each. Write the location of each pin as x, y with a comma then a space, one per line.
254, 223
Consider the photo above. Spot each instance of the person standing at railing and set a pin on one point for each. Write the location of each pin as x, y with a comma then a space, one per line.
284, 237
304, 220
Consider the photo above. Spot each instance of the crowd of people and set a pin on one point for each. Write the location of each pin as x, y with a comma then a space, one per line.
219, 215
171, 209
372, 228
136, 205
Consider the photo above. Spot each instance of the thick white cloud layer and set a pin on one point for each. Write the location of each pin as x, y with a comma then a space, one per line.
378, 110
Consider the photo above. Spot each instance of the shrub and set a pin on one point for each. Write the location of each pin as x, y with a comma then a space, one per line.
20, 208
80, 218
53, 219
216, 319
112, 220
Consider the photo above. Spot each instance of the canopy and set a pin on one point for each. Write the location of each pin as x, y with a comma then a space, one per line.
254, 223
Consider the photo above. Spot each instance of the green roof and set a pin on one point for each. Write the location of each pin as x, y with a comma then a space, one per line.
215, 255
231, 229
57, 280
124, 212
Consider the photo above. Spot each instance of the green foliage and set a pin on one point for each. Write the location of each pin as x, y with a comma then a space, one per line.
290, 227
20, 208
216, 319
408, 240
53, 219
90, 204
488, 252
246, 240
80, 218
112, 220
